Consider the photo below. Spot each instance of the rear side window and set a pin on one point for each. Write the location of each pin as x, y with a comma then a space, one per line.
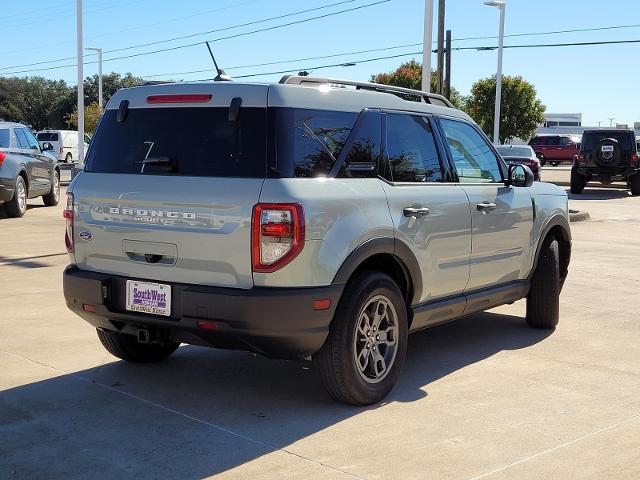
411, 149
308, 142
553, 141
4, 138
181, 141
48, 137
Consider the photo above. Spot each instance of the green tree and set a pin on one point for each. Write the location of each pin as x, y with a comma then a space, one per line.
92, 116
520, 110
111, 83
409, 75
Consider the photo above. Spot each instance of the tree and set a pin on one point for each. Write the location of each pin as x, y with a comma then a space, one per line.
111, 83
520, 110
409, 75
92, 115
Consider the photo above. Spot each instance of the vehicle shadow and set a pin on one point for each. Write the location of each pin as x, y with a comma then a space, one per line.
206, 411
590, 193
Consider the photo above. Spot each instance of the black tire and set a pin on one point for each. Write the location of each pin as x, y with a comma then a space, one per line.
543, 301
127, 347
17, 206
555, 164
634, 184
68, 158
543, 161
52, 198
578, 182
336, 364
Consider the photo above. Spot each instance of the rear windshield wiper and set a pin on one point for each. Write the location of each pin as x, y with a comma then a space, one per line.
167, 163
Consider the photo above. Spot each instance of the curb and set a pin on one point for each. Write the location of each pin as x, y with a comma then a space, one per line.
578, 216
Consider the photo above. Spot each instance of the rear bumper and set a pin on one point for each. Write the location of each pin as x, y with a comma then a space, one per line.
612, 173
6, 189
277, 322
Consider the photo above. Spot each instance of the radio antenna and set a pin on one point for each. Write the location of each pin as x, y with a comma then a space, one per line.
221, 75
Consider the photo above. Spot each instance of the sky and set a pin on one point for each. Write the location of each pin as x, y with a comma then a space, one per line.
601, 81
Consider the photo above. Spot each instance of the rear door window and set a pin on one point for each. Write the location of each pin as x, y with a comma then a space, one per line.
48, 137
308, 142
411, 149
5, 138
196, 141
22, 138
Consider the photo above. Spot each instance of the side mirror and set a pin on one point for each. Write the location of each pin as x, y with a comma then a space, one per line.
47, 147
520, 176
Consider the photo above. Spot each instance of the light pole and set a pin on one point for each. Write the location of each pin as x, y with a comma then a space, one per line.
426, 45
80, 159
99, 52
500, 4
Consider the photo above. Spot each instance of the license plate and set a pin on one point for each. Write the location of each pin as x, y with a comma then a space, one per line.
607, 148
147, 297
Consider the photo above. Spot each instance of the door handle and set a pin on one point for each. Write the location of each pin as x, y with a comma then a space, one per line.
486, 207
416, 211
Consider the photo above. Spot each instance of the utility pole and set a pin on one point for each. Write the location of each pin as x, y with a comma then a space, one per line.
440, 46
447, 78
426, 45
80, 160
611, 121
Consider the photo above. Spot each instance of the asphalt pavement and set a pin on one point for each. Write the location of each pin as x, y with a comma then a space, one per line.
482, 397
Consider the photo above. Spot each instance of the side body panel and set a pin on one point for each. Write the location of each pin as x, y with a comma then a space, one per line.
340, 215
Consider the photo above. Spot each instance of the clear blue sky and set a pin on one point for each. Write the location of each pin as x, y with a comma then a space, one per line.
598, 81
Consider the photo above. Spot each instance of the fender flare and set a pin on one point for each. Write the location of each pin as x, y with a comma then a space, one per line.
555, 221
397, 248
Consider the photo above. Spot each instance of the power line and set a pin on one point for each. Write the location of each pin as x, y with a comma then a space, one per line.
177, 47
263, 20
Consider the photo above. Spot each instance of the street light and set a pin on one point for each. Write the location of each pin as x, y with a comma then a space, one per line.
99, 52
80, 52
500, 4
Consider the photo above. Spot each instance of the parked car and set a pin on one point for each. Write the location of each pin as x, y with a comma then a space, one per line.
521, 155
607, 156
276, 219
65, 143
555, 149
26, 170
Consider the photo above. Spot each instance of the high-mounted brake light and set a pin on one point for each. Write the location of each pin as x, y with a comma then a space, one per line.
182, 98
2, 157
68, 215
277, 235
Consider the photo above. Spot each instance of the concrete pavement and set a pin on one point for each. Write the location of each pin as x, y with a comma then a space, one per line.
483, 397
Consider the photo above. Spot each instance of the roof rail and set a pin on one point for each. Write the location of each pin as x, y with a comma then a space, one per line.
426, 97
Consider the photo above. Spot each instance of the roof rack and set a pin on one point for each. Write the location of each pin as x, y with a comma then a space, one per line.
426, 97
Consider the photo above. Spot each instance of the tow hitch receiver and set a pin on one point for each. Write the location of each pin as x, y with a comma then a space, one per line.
143, 335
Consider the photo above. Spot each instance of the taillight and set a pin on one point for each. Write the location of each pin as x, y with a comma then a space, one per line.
61, 150
68, 215
277, 235
581, 157
2, 157
634, 158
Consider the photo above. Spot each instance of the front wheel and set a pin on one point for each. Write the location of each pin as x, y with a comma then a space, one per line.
127, 347
363, 355
52, 198
634, 184
543, 301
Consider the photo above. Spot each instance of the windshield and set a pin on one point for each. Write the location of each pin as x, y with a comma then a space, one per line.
4, 138
199, 142
509, 151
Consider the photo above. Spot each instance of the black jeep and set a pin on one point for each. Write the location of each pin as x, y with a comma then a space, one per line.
606, 156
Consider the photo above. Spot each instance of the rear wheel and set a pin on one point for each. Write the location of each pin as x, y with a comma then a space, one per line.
543, 161
634, 184
18, 204
52, 198
578, 182
361, 359
543, 301
127, 347
555, 164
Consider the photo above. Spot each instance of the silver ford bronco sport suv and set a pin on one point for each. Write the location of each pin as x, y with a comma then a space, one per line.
309, 218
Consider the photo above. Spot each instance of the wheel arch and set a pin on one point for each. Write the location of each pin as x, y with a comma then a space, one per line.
558, 227
387, 255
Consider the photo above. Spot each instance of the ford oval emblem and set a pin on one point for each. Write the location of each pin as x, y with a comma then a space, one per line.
86, 236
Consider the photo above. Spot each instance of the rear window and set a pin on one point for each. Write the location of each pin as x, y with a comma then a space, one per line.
48, 137
4, 138
308, 142
198, 142
625, 139
514, 151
